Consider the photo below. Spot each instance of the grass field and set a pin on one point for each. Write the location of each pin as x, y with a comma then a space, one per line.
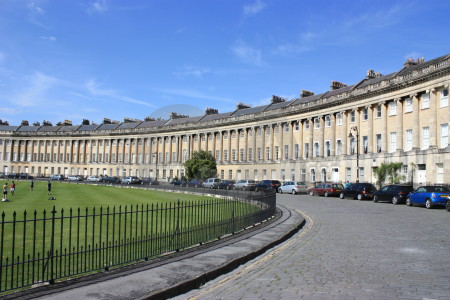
72, 195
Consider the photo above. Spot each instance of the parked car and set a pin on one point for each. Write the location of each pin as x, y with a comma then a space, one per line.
194, 183
211, 183
57, 177
110, 179
149, 181
267, 185
429, 196
178, 182
13, 176
395, 193
360, 191
246, 185
75, 178
226, 185
93, 179
131, 180
25, 176
326, 189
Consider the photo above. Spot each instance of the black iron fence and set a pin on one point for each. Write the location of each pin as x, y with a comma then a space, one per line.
43, 248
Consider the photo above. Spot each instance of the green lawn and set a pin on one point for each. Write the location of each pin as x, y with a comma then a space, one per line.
72, 195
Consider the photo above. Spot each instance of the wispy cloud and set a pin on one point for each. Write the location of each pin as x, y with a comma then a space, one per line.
193, 94
34, 8
49, 38
95, 89
254, 8
35, 12
2, 57
413, 55
192, 71
98, 6
247, 54
38, 84
303, 44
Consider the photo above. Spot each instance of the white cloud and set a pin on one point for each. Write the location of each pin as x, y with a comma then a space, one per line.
98, 6
254, 8
34, 95
193, 94
192, 71
49, 38
247, 54
94, 89
413, 55
34, 8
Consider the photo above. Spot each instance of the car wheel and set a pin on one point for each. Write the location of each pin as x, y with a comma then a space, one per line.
311, 193
408, 201
447, 207
428, 204
359, 197
375, 198
325, 194
294, 192
256, 189
395, 200
341, 195
280, 191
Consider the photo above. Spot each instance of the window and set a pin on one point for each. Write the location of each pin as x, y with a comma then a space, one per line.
296, 126
328, 121
225, 135
378, 143
339, 119
259, 153
306, 151
306, 127
393, 142
250, 154
327, 148
425, 101
296, 151
352, 146
277, 129
185, 155
267, 153
286, 128
392, 108
313, 175
241, 154
234, 135
379, 107
408, 105
365, 115
267, 130
286, 151
352, 116
303, 175
230, 174
233, 154
408, 142
277, 152
338, 147
425, 138
316, 149
444, 98
444, 135
217, 155
225, 155
316, 123
365, 144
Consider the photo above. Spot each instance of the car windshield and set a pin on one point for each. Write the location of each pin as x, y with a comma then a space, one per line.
438, 189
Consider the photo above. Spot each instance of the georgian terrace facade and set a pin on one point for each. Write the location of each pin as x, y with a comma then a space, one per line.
400, 117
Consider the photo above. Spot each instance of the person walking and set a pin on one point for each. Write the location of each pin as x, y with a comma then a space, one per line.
5, 192
49, 188
31, 184
12, 188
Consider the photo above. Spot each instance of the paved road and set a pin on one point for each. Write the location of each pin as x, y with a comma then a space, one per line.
348, 249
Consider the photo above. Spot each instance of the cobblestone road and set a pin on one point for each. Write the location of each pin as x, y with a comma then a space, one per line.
348, 249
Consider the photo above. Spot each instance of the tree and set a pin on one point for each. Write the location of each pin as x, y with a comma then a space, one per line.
388, 172
202, 165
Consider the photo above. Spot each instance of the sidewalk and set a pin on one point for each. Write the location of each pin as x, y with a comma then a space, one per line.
173, 276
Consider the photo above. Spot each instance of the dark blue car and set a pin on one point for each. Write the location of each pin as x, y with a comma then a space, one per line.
429, 196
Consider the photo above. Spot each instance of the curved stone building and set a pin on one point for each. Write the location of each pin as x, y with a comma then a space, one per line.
399, 117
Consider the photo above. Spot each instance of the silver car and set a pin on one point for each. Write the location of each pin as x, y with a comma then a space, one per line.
247, 185
293, 187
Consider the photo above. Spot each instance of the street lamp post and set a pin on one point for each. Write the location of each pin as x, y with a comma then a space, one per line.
350, 135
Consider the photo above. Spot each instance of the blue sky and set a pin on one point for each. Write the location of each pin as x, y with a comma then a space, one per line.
70, 59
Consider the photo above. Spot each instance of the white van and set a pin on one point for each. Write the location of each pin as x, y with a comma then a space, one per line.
211, 183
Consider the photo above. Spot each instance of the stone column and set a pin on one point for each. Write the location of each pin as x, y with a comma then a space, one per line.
434, 104
399, 124
291, 139
322, 136
384, 121
333, 134
345, 148
370, 132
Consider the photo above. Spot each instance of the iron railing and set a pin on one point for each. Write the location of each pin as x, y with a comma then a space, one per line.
63, 244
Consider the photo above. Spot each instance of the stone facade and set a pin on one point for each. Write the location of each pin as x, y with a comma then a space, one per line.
400, 117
